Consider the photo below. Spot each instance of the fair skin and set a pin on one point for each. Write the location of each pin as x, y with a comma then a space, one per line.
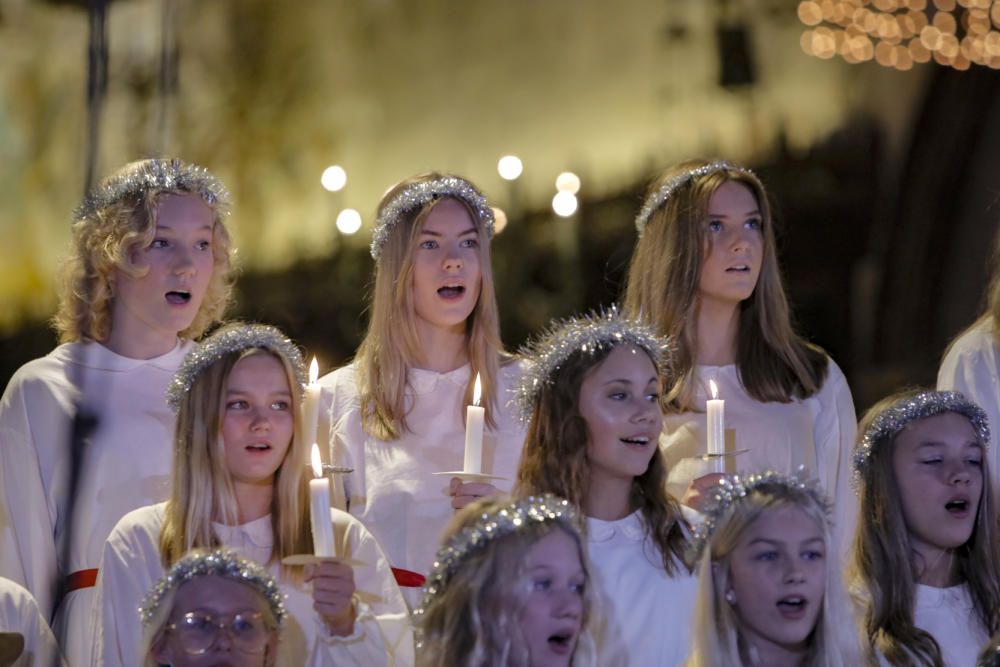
777, 578
148, 311
257, 430
619, 400
937, 463
552, 616
220, 599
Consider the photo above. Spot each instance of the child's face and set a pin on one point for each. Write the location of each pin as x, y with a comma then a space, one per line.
733, 247
553, 614
195, 640
938, 466
257, 419
166, 299
619, 402
777, 578
446, 271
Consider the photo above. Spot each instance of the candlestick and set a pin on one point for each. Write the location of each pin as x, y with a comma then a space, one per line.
474, 416
310, 405
716, 428
319, 509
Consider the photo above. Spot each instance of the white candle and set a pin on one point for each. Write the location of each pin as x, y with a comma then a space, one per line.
716, 428
319, 509
310, 405
474, 416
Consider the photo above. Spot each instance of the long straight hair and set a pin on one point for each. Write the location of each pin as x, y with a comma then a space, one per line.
391, 345
201, 489
773, 362
885, 586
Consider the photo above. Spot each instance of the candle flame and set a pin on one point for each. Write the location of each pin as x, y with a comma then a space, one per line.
715, 389
313, 371
317, 461
477, 391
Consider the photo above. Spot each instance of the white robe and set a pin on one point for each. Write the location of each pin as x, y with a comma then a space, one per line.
818, 433
650, 613
972, 366
132, 564
19, 613
127, 466
393, 490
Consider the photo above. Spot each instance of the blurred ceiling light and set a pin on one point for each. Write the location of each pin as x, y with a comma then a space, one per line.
564, 204
334, 178
499, 220
510, 167
568, 182
349, 221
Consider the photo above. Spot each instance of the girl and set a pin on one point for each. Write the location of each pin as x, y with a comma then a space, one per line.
213, 606
769, 589
238, 480
590, 394
926, 549
705, 272
509, 587
396, 414
150, 270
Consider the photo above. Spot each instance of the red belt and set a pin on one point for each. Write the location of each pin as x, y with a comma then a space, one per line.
404, 578
81, 579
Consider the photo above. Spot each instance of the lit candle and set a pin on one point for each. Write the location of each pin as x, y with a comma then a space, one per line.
310, 405
319, 509
474, 415
716, 426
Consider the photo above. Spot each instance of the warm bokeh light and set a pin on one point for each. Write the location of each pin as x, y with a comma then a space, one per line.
499, 219
564, 204
334, 178
568, 182
510, 167
349, 221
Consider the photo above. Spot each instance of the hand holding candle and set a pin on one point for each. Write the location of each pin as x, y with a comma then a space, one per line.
716, 429
319, 509
474, 416
310, 405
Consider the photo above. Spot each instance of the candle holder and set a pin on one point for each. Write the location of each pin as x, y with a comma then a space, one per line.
311, 559
468, 476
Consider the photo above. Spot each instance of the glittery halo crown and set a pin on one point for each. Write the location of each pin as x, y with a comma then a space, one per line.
888, 423
509, 518
417, 195
660, 197
587, 334
733, 489
217, 563
154, 175
232, 338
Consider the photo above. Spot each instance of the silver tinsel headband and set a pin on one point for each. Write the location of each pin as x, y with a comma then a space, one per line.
154, 175
229, 339
218, 563
419, 194
513, 516
660, 197
888, 423
587, 334
733, 489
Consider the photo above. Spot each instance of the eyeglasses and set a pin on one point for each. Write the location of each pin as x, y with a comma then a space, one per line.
198, 631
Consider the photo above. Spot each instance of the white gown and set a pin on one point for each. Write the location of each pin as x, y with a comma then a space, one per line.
393, 490
132, 564
818, 433
651, 614
127, 466
19, 613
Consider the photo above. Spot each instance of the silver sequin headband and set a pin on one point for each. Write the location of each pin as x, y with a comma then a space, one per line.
888, 423
229, 339
513, 516
733, 489
419, 194
154, 175
587, 334
660, 197
219, 563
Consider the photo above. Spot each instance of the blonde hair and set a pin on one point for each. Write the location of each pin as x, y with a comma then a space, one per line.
555, 460
886, 592
474, 622
104, 240
201, 488
391, 345
773, 362
717, 640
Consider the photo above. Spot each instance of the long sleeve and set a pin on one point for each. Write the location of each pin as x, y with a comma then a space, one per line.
19, 613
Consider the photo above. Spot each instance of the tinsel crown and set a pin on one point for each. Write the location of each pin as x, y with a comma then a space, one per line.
665, 191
